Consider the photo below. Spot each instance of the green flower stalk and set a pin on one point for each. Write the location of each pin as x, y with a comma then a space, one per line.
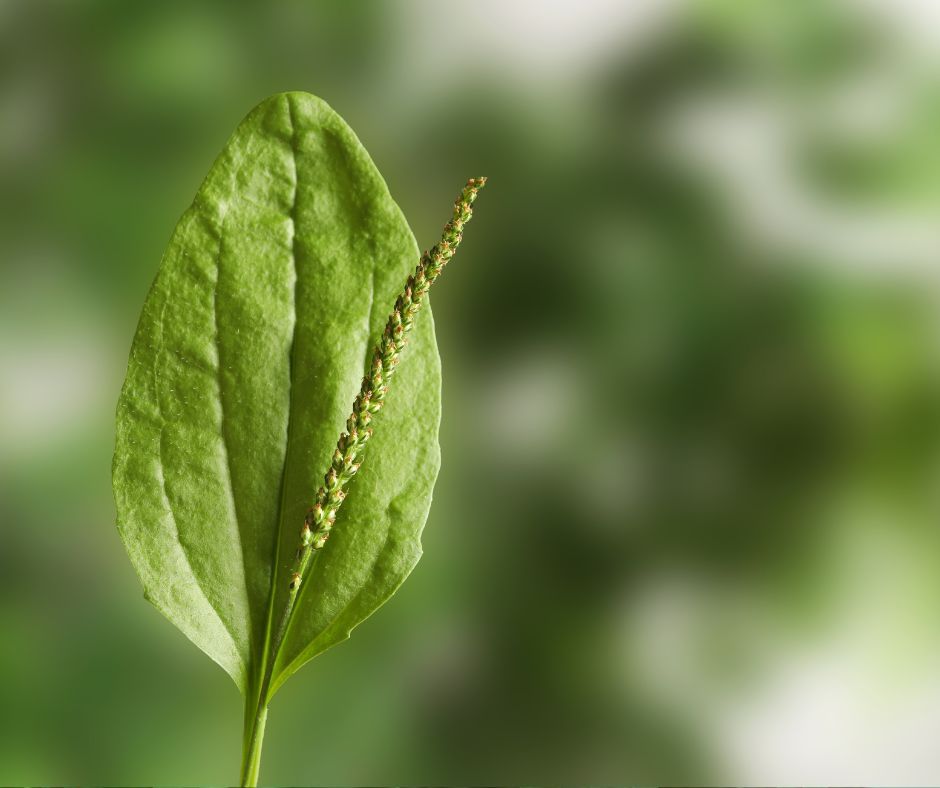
349, 448
348, 456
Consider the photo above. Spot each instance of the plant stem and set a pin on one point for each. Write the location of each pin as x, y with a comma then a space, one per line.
255, 718
347, 459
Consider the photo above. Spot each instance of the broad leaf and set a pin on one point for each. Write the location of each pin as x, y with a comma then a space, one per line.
251, 346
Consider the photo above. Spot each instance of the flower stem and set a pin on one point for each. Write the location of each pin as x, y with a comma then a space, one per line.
347, 458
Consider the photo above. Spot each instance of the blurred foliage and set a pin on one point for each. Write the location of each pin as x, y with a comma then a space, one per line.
691, 415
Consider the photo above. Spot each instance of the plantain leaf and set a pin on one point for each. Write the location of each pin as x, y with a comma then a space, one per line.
251, 346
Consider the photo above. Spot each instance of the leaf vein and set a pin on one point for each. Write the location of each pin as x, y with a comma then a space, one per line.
291, 368
223, 430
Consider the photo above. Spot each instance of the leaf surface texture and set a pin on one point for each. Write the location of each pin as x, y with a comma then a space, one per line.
251, 346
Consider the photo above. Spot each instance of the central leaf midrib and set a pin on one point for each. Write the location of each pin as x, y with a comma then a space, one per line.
267, 658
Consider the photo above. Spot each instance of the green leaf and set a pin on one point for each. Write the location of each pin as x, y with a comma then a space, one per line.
252, 343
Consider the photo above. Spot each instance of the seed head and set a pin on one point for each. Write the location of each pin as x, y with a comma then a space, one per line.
347, 458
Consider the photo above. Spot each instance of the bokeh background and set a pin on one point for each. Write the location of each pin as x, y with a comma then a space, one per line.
687, 524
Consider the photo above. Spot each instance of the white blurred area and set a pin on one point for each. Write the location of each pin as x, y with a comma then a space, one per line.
745, 143
543, 45
853, 701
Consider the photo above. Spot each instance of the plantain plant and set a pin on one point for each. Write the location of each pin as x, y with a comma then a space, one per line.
268, 316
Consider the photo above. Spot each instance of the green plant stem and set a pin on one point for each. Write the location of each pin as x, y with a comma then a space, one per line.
256, 710
347, 457
254, 738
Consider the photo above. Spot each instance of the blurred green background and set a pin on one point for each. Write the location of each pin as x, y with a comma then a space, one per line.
686, 527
